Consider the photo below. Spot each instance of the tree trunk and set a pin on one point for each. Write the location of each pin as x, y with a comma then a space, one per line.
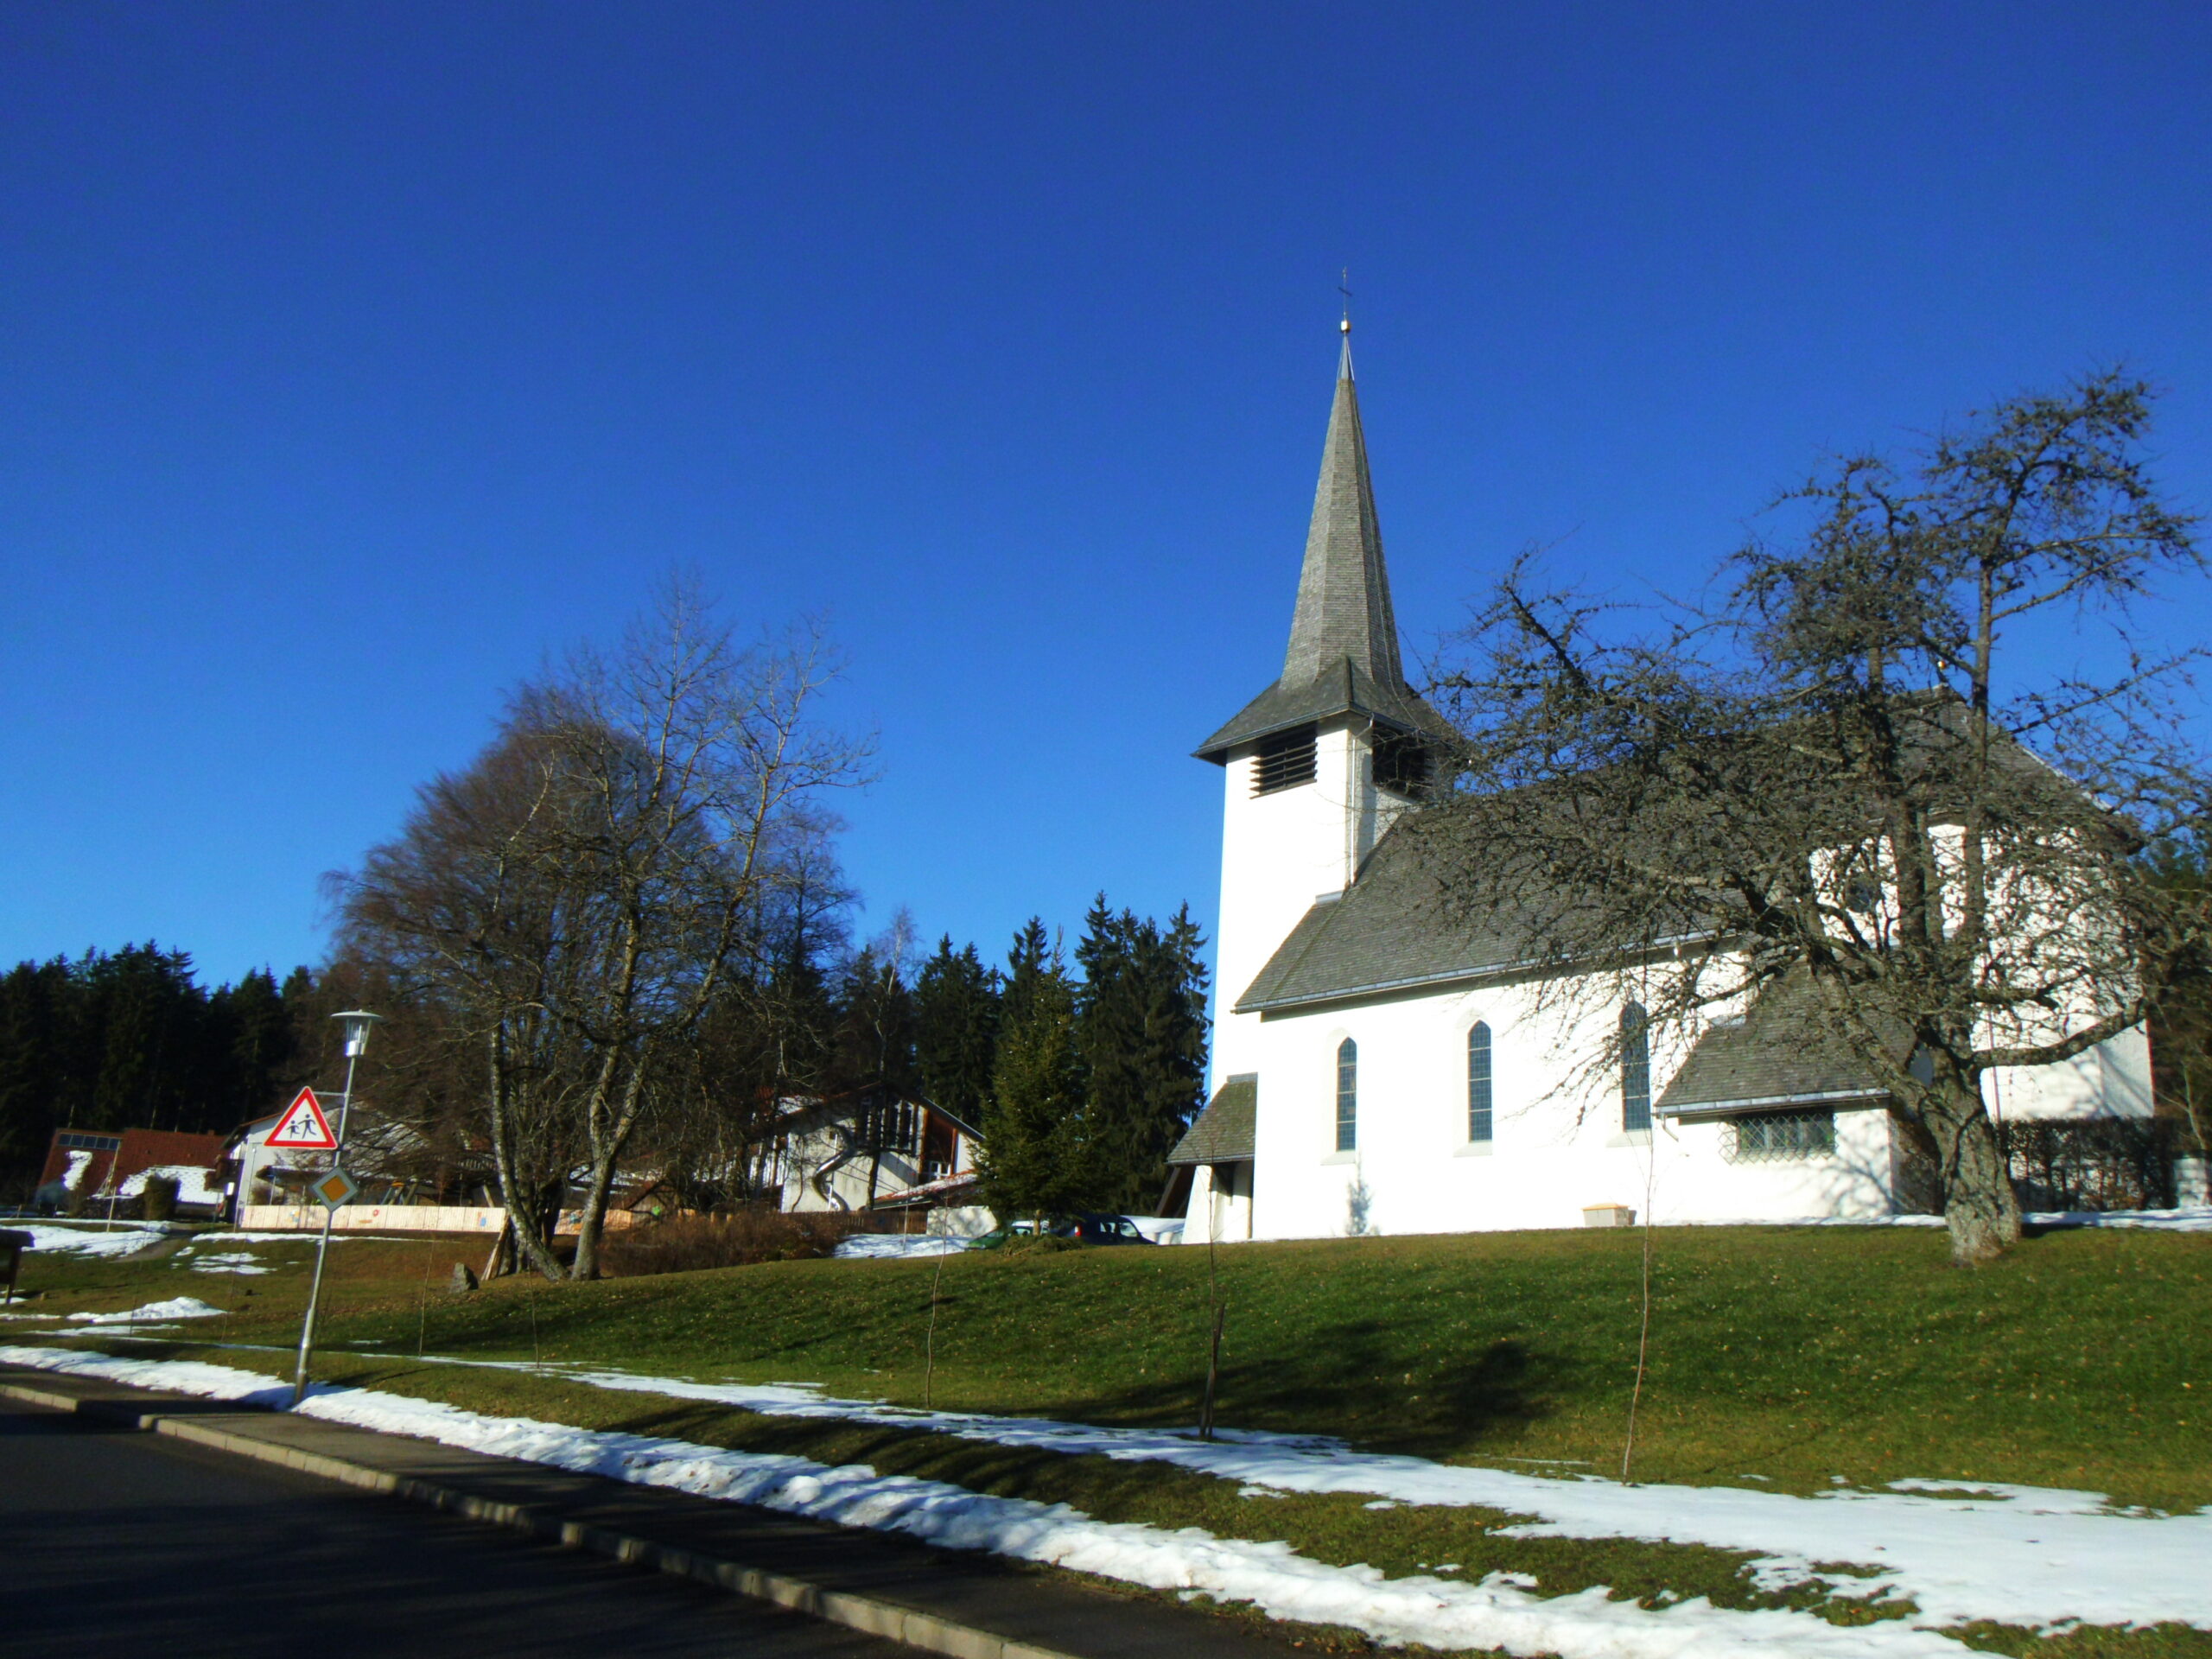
610, 1136
530, 1239
591, 1219
1979, 1206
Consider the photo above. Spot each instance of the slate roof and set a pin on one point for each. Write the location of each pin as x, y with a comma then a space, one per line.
1345, 688
1344, 635
1788, 1051
1389, 932
1391, 929
1223, 1132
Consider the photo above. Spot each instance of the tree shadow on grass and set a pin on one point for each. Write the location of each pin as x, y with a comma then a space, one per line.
1352, 1382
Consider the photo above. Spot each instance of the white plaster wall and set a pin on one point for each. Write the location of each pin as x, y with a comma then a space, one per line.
807, 1151
1220, 1208
1554, 1151
1557, 1150
960, 1221
2111, 1080
1278, 852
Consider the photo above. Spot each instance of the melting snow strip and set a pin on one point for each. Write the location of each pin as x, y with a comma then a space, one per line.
78, 1241
177, 1307
2029, 1555
1497, 1613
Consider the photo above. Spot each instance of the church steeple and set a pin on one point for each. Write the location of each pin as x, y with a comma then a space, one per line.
1343, 592
1342, 657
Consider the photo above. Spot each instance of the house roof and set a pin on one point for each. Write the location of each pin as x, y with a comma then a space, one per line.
1224, 1131
1787, 1051
1343, 687
1342, 656
796, 1106
943, 1186
968, 1130
1390, 929
1394, 928
136, 1152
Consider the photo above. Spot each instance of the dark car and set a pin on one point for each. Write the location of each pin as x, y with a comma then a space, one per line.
1089, 1228
1085, 1229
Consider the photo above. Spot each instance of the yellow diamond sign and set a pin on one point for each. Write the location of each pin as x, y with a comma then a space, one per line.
335, 1189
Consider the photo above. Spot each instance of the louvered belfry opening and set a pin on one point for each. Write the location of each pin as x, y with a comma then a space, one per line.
1284, 761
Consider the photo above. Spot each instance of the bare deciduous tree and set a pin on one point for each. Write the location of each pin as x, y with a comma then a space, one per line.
1916, 765
588, 893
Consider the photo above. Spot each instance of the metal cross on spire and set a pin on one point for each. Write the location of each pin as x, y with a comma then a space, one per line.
1344, 287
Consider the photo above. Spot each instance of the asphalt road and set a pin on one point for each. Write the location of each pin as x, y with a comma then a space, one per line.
114, 1542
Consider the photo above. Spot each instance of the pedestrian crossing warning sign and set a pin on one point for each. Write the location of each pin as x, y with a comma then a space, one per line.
303, 1128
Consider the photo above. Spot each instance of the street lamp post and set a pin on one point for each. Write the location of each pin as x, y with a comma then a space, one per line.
356, 1023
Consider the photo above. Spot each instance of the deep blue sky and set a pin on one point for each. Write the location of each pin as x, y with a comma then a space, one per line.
353, 357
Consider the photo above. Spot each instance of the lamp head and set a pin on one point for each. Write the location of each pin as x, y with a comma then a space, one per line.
355, 1023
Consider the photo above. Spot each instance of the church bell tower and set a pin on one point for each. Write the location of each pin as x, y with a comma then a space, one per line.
1317, 766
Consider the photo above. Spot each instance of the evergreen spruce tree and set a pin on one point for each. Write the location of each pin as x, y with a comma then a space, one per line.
147, 1018
1180, 1079
875, 1025
128, 1039
38, 1021
801, 1017
956, 1031
257, 1045
1030, 1162
1141, 1031
1025, 965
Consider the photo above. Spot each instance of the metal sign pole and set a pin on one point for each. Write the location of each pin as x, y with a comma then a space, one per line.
357, 1039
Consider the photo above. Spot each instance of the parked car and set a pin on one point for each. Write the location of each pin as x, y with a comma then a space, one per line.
1088, 1227
1100, 1230
1003, 1234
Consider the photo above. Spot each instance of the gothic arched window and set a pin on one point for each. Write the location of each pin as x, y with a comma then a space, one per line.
1478, 1095
1347, 1095
1636, 1069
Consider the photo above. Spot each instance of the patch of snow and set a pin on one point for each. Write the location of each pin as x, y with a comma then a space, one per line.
896, 1247
2190, 1218
1497, 1613
58, 1239
177, 1375
195, 1183
177, 1307
2193, 1218
234, 1262
2025, 1556
877, 1247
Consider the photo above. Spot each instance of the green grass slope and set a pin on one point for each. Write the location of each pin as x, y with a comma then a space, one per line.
1796, 1355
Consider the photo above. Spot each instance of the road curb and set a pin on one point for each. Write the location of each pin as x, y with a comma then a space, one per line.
871, 1615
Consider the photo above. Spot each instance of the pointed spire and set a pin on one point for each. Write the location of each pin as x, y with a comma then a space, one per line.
1344, 636
1343, 592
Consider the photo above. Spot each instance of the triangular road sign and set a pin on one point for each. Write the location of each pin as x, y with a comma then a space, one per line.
303, 1128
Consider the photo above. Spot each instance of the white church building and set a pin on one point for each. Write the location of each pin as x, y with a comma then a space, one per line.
1377, 1067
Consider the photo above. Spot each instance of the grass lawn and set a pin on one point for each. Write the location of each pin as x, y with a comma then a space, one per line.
1798, 1356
